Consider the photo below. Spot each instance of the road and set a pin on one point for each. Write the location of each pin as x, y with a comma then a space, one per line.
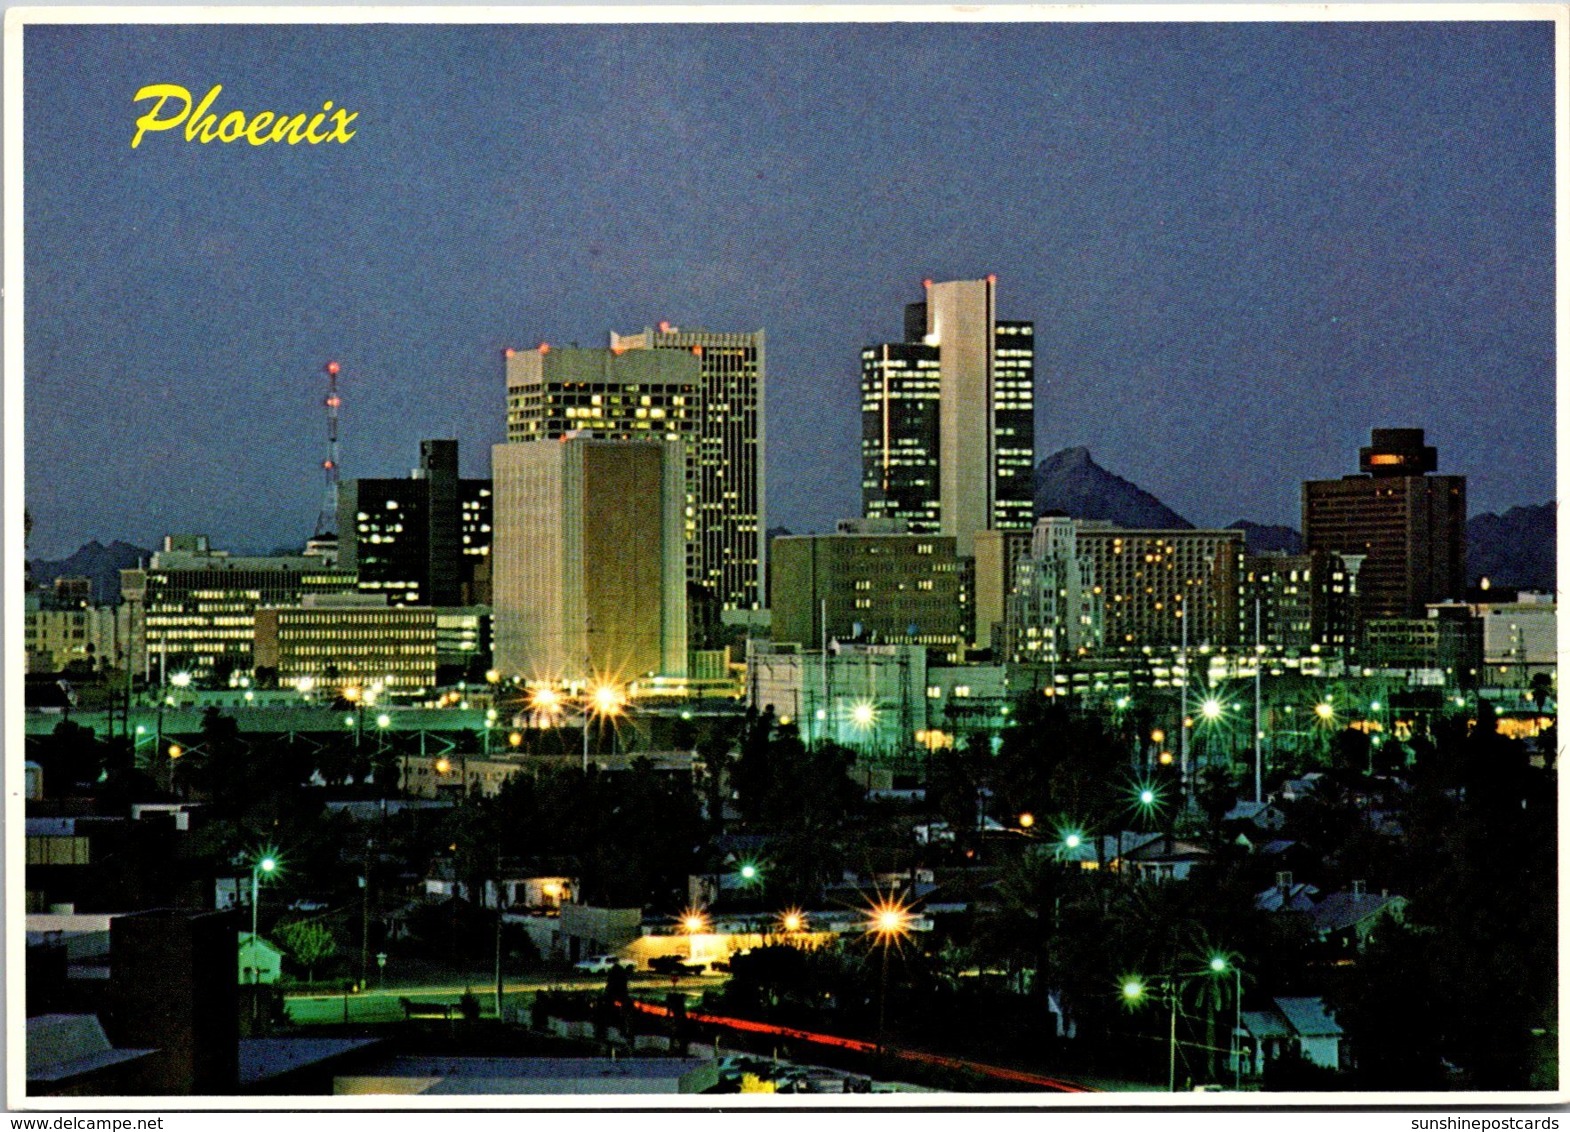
380, 1004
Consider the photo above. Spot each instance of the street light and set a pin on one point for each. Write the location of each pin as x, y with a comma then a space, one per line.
693, 923
1070, 839
267, 863
889, 923
1220, 965
604, 700
1136, 992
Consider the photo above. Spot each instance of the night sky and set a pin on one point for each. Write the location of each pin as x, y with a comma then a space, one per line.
1243, 246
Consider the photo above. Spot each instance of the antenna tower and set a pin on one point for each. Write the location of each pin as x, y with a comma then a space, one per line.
327, 519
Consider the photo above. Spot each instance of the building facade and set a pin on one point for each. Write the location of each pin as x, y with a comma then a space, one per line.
589, 575
997, 558
948, 417
1520, 639
728, 456
1409, 525
193, 609
1054, 610
1444, 648
349, 640
1303, 601
60, 637
423, 540
1091, 588
872, 583
899, 434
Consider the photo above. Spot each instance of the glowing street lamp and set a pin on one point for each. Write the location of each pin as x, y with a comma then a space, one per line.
889, 922
1220, 965
604, 700
693, 923
792, 921
266, 864
1211, 709
1135, 993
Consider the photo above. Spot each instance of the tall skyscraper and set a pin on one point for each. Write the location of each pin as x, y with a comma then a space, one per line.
730, 499
420, 540
1410, 526
899, 434
612, 395
589, 567
948, 417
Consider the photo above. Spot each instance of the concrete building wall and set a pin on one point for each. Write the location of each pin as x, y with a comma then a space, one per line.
588, 567
961, 316
898, 589
998, 554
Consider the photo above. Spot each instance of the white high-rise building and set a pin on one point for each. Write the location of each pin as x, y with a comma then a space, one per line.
589, 574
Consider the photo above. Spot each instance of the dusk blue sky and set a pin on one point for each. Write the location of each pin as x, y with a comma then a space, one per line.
1243, 245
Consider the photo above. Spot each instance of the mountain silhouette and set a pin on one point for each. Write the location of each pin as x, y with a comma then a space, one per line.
96, 561
1072, 483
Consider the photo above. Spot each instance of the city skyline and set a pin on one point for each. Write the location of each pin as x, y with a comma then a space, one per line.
1362, 212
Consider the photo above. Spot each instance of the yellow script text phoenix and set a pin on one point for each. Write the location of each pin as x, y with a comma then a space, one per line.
203, 125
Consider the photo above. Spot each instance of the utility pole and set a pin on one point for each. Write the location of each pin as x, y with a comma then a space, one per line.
498, 937
1259, 660
365, 917
1183, 710
1171, 1037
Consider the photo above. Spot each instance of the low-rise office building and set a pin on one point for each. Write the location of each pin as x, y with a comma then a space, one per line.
872, 582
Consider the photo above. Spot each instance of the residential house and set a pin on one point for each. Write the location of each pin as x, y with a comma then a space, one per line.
1287, 1026
260, 961
1346, 921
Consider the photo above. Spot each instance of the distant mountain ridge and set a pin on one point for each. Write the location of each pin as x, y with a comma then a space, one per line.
1071, 482
1267, 538
1517, 550
96, 561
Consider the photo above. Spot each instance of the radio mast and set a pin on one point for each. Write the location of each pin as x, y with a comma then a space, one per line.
327, 519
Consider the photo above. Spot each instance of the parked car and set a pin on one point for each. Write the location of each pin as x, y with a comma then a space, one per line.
674, 965
599, 964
